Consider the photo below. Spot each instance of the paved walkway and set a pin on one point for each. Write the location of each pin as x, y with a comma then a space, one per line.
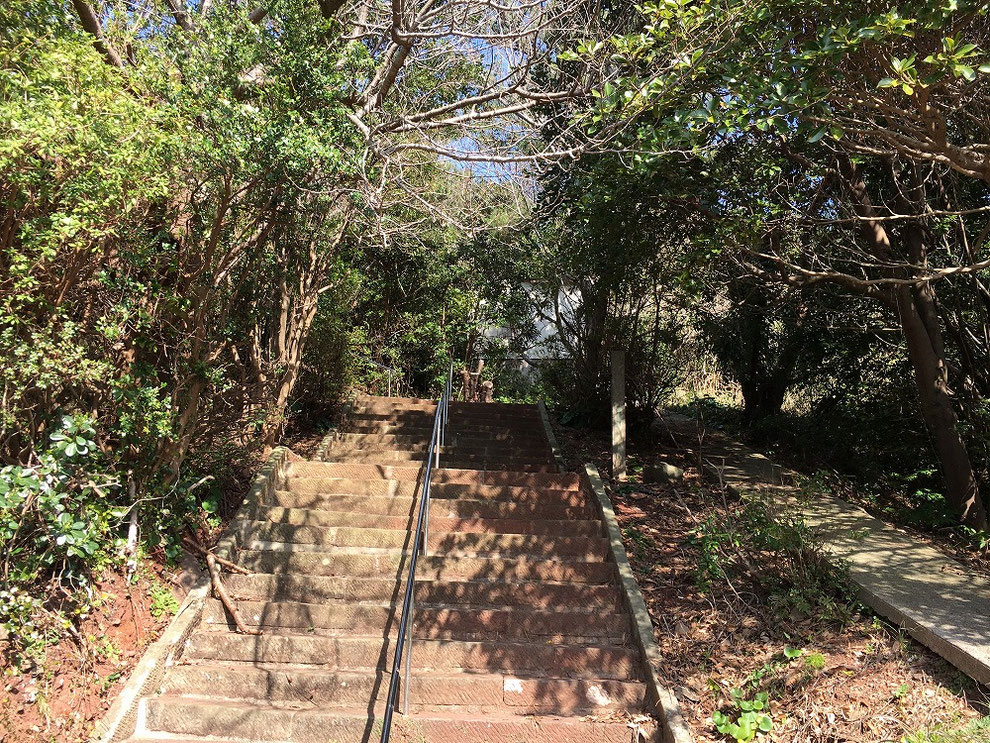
939, 601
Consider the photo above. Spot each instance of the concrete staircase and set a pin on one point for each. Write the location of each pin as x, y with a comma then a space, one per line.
520, 634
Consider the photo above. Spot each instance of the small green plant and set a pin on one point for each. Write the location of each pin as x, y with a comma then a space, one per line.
750, 715
747, 718
109, 650
163, 603
814, 662
777, 553
110, 680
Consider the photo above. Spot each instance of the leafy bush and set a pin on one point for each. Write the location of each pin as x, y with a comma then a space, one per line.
54, 518
57, 524
778, 554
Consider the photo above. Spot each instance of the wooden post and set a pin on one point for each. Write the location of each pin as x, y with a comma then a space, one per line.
618, 359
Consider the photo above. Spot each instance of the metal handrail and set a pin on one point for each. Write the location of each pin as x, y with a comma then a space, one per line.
420, 542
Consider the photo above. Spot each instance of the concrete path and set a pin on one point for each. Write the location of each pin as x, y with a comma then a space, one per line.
940, 602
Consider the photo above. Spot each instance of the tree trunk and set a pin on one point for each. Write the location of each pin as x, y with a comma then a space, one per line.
763, 397
915, 305
935, 398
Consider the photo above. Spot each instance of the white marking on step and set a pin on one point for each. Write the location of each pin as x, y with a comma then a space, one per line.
513, 685
598, 695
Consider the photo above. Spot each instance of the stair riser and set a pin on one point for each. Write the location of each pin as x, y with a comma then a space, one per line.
428, 621
503, 417
231, 721
482, 593
477, 691
438, 542
448, 456
472, 434
455, 405
356, 653
423, 432
422, 424
487, 464
451, 452
428, 568
311, 517
362, 471
462, 441
319, 486
449, 508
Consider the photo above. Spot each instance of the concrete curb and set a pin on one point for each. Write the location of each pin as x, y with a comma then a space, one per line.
558, 454
125, 714
665, 704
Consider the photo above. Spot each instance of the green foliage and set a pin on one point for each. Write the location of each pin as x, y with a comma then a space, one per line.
163, 602
777, 553
53, 517
749, 717
58, 519
190, 254
750, 713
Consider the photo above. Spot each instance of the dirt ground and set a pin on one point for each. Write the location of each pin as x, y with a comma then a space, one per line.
862, 681
60, 697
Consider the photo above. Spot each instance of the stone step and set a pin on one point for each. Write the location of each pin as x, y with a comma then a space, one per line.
588, 548
438, 520
291, 685
454, 404
367, 471
402, 458
450, 450
403, 506
424, 430
264, 723
458, 406
459, 411
324, 486
438, 491
430, 620
349, 453
532, 594
399, 440
422, 419
354, 652
392, 563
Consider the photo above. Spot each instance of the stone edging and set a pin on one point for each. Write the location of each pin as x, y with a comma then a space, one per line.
124, 715
668, 710
326, 444
558, 455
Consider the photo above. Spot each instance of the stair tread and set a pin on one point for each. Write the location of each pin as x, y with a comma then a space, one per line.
527, 558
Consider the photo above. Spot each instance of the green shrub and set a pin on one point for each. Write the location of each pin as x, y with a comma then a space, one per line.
778, 554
